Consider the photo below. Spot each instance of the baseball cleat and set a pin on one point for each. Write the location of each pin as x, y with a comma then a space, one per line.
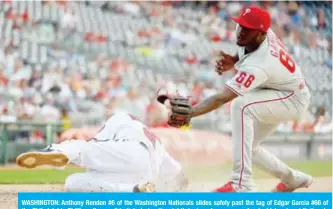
225, 188
43, 157
302, 181
145, 187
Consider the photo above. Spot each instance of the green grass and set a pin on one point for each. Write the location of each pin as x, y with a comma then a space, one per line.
213, 173
195, 173
36, 176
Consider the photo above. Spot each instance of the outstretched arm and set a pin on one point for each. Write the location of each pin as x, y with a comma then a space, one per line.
246, 79
213, 102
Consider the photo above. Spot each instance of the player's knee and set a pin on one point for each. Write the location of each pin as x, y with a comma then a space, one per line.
73, 184
239, 106
254, 151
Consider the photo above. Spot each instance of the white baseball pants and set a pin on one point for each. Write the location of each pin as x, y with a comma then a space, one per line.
119, 166
254, 117
111, 166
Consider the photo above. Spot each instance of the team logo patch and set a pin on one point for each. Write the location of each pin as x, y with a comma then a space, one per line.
246, 11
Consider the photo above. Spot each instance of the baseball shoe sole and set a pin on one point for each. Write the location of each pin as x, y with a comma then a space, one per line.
146, 187
281, 187
34, 159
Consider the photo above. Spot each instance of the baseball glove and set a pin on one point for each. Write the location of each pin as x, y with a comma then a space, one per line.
181, 110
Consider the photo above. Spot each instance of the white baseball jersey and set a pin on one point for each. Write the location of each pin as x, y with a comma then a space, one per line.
274, 91
270, 66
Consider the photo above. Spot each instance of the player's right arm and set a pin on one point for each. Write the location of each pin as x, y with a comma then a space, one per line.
213, 102
247, 79
236, 58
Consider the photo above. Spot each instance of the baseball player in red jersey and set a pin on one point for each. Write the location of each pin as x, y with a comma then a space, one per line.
268, 88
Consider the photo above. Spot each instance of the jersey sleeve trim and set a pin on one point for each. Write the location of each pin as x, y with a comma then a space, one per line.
251, 66
233, 90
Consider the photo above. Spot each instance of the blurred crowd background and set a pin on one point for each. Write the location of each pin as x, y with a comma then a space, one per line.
76, 62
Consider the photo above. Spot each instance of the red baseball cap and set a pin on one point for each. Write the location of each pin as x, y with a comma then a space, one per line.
254, 17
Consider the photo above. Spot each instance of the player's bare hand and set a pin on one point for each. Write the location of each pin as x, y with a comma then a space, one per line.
72, 134
225, 63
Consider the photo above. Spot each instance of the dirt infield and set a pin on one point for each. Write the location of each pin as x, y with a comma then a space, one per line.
8, 193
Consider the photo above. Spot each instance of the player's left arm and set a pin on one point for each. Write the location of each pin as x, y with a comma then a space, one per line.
78, 134
246, 79
93, 132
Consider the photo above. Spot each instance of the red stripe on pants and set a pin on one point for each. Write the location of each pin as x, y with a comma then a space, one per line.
272, 100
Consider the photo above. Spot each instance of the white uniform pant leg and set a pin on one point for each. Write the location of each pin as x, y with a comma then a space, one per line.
122, 157
264, 159
95, 182
73, 149
128, 158
263, 106
121, 162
